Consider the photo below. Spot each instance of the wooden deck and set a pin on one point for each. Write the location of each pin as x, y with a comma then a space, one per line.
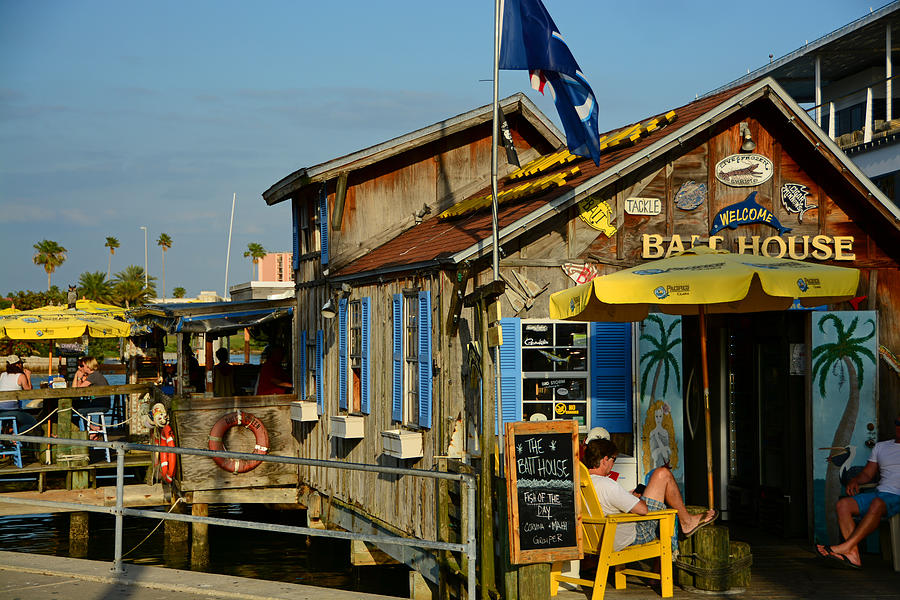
782, 570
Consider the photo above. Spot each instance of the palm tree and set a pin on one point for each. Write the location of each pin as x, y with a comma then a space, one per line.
111, 243
845, 354
129, 286
179, 292
49, 255
254, 252
164, 242
94, 286
661, 356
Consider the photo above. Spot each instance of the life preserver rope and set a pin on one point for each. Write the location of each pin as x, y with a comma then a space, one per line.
167, 459
242, 419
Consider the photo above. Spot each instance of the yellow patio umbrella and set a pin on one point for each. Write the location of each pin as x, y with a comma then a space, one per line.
60, 322
701, 281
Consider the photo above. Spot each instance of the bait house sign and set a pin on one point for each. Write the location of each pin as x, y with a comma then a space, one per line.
798, 247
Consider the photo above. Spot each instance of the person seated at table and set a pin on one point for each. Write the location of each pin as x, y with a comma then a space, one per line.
273, 379
89, 374
662, 492
16, 378
223, 375
869, 506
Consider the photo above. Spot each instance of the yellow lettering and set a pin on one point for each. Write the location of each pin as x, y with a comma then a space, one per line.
752, 245
652, 245
715, 240
843, 247
782, 247
675, 245
694, 239
792, 244
822, 250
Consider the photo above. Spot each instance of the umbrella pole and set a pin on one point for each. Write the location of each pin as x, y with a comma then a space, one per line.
50, 362
705, 369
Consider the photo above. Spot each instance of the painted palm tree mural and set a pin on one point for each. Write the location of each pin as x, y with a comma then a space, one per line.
841, 358
661, 410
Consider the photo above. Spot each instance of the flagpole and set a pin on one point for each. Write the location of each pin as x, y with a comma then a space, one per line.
495, 238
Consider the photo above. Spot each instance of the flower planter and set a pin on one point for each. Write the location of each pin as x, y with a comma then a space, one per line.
304, 411
348, 427
402, 444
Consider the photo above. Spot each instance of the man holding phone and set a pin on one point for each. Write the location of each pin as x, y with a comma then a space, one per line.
661, 492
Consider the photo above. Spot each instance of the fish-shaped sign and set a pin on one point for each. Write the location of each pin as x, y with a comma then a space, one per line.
690, 195
794, 198
746, 212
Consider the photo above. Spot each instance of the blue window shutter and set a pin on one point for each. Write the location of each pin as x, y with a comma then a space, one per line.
302, 365
320, 387
510, 373
342, 354
611, 402
425, 359
397, 374
365, 386
295, 214
323, 225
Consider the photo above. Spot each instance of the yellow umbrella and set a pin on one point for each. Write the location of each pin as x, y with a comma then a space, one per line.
38, 325
701, 281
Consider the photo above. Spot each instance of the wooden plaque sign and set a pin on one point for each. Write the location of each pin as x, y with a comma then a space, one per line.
542, 487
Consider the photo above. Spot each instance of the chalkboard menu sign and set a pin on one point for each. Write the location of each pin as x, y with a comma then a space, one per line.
542, 487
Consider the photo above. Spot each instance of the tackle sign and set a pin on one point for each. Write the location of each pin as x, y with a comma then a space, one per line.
543, 491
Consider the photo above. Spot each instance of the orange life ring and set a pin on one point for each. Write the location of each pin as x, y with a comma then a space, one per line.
167, 459
243, 419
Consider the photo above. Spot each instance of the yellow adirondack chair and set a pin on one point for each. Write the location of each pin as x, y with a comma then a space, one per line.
598, 533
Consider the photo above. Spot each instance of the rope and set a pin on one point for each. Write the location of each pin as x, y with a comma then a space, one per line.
732, 567
152, 531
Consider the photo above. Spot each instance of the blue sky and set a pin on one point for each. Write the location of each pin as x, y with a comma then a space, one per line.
115, 115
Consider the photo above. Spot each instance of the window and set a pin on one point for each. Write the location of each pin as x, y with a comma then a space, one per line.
309, 229
412, 370
554, 372
307, 367
354, 323
560, 370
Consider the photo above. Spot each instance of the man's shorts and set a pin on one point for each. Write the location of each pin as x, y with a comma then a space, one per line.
864, 501
647, 531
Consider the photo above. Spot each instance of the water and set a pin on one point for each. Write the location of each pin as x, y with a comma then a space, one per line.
242, 552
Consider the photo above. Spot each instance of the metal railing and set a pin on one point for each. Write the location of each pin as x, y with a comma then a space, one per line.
468, 548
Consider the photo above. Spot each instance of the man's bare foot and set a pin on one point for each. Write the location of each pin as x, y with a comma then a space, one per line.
693, 523
850, 555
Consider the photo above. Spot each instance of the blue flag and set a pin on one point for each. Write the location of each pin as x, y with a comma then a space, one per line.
531, 41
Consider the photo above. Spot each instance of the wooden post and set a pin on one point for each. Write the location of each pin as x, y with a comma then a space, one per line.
486, 522
175, 540
712, 547
179, 364
740, 578
199, 539
208, 362
247, 347
79, 534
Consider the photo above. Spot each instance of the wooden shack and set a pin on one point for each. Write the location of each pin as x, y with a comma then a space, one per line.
387, 241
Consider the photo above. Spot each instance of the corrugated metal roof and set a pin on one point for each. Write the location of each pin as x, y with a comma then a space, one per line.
454, 240
434, 239
281, 190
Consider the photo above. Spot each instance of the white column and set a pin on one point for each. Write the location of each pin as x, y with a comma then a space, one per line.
818, 90
867, 131
888, 73
831, 120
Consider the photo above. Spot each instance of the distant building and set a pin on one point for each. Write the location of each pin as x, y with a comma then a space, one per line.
276, 266
845, 78
203, 296
261, 290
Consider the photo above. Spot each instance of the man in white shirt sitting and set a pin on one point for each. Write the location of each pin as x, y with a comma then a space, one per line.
661, 492
882, 502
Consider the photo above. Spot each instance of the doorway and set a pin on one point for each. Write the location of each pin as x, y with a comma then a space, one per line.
758, 407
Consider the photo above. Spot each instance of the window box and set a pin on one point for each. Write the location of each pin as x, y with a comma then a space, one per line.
400, 443
304, 411
348, 427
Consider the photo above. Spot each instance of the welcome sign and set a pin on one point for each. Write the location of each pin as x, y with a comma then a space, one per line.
745, 213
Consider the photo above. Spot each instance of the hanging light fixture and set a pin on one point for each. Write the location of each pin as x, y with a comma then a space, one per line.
329, 310
748, 145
